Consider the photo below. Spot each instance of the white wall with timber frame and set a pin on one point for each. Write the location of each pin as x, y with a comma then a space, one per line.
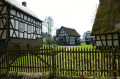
23, 26
3, 14
68, 39
17, 24
62, 34
108, 40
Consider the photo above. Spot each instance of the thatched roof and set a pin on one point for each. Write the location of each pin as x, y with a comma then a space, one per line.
70, 31
108, 14
19, 6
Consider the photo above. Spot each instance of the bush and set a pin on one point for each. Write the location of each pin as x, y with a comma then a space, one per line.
87, 42
48, 40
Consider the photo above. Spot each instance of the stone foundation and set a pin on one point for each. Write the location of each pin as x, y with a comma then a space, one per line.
25, 42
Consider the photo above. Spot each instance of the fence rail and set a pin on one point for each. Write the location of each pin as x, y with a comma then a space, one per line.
62, 61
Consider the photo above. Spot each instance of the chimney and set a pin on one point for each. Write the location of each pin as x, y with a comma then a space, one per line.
24, 4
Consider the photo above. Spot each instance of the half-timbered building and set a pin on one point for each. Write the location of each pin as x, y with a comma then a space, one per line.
67, 36
18, 24
106, 27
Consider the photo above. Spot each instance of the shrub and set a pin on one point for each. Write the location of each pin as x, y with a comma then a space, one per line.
48, 40
87, 42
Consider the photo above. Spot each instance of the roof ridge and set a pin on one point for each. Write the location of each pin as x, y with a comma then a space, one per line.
19, 5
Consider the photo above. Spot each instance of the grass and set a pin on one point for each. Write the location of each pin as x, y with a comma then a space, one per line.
25, 75
83, 43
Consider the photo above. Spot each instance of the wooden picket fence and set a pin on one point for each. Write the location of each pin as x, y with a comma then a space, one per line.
63, 62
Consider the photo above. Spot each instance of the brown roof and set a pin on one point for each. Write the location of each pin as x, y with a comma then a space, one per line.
108, 14
71, 32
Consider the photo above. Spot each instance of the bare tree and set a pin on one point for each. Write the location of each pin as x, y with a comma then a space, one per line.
48, 23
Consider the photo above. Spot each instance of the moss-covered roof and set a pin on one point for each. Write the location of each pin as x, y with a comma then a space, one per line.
108, 14
70, 31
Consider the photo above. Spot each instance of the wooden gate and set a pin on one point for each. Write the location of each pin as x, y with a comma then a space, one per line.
62, 61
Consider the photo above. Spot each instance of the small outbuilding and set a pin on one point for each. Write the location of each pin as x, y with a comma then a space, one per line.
67, 36
106, 26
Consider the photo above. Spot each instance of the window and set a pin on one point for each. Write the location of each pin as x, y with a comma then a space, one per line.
29, 29
21, 27
21, 35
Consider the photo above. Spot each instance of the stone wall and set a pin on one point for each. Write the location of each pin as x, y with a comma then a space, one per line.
25, 42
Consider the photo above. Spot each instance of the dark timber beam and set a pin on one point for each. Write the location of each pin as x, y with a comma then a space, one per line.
112, 40
101, 40
2, 10
119, 39
95, 39
106, 40
3, 29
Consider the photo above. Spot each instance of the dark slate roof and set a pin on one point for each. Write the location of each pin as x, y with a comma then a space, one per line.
19, 6
108, 14
70, 31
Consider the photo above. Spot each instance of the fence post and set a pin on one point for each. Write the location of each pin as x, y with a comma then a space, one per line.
53, 64
7, 59
114, 64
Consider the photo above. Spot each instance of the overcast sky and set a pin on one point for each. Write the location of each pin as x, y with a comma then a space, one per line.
77, 14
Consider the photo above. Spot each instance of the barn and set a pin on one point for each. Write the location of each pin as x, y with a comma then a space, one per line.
19, 26
106, 27
67, 36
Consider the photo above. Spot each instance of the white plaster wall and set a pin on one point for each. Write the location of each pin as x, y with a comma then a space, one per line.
116, 43
98, 43
109, 42
109, 36
2, 24
102, 36
4, 34
98, 38
21, 15
115, 36
13, 12
104, 43
21, 35
28, 18
25, 35
72, 42
39, 36
25, 17
25, 27
17, 24
16, 33
12, 21
11, 32
4, 10
18, 15
29, 36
